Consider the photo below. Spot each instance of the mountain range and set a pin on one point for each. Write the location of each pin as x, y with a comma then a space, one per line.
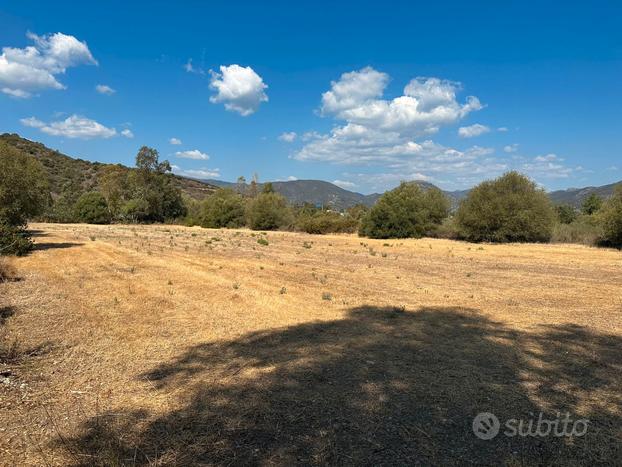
63, 169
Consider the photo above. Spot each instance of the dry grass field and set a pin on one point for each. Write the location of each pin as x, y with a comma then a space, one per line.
167, 345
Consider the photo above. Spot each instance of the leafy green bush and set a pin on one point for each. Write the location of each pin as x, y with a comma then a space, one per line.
508, 209
584, 229
407, 211
225, 208
610, 219
323, 222
14, 240
591, 204
92, 208
566, 214
268, 211
23, 186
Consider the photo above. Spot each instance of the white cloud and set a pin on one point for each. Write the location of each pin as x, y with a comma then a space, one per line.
190, 68
502, 129
74, 126
193, 154
127, 133
34, 68
104, 89
472, 130
291, 178
344, 184
548, 166
613, 168
174, 141
239, 88
510, 148
202, 173
288, 137
353, 89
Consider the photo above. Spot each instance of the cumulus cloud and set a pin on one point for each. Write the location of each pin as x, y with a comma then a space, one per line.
201, 173
192, 154
239, 88
74, 126
104, 89
510, 148
24, 71
548, 166
344, 184
127, 133
472, 130
174, 141
291, 178
288, 137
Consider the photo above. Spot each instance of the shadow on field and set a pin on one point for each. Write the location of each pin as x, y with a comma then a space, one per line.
380, 387
53, 246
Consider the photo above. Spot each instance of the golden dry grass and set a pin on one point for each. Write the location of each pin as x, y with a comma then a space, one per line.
174, 346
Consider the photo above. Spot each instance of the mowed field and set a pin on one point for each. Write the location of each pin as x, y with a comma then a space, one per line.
169, 345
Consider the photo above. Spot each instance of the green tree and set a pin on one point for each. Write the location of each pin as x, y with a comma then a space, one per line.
268, 188
268, 211
113, 185
508, 209
566, 214
408, 211
154, 195
591, 204
23, 187
610, 219
92, 208
225, 208
23, 195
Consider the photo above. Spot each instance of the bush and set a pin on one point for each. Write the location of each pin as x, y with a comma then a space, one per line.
508, 209
323, 222
225, 208
584, 229
23, 186
14, 240
610, 219
407, 211
591, 204
92, 208
268, 211
566, 214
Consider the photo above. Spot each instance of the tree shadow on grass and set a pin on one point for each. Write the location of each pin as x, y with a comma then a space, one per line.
40, 246
380, 387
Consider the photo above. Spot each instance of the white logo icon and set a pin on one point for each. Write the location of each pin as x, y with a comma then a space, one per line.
486, 425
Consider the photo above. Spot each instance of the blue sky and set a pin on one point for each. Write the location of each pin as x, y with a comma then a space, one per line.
364, 94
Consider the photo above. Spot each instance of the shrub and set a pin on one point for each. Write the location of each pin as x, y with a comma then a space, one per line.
92, 208
610, 219
14, 240
508, 209
407, 211
566, 214
268, 211
323, 222
584, 229
225, 208
591, 204
23, 186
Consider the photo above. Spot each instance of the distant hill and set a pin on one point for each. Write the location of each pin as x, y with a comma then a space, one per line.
329, 195
575, 196
62, 169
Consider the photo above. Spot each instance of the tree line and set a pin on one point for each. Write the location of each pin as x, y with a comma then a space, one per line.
510, 208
